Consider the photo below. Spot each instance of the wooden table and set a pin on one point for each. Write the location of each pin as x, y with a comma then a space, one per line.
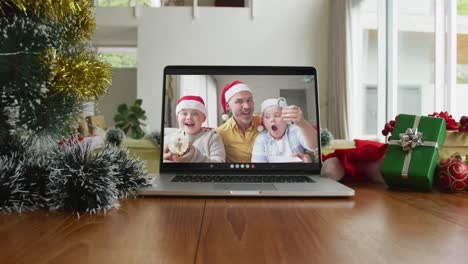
376, 226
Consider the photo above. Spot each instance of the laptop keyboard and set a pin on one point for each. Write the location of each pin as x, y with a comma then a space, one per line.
242, 179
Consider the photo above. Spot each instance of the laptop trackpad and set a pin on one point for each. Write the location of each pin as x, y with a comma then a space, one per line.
245, 187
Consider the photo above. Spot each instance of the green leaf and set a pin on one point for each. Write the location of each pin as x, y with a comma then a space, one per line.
128, 119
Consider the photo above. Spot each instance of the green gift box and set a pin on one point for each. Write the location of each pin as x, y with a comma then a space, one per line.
412, 155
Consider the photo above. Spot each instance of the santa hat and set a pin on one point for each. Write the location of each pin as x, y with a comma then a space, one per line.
191, 102
281, 102
229, 91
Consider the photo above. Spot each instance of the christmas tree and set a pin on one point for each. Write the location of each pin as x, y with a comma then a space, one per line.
47, 66
47, 70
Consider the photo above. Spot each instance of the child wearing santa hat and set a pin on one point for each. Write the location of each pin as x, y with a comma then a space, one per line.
240, 130
203, 145
288, 135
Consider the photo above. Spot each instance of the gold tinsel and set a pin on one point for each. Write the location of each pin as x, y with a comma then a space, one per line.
83, 76
78, 14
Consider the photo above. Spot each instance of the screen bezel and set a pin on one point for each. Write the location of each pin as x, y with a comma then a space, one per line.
226, 168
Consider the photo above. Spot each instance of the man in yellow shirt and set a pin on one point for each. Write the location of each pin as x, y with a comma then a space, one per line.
240, 130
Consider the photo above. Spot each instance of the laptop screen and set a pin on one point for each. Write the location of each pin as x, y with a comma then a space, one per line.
233, 118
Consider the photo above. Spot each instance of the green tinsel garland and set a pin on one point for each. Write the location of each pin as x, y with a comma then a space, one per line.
81, 180
129, 172
22, 182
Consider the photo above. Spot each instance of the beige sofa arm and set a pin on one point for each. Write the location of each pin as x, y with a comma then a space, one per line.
145, 150
339, 144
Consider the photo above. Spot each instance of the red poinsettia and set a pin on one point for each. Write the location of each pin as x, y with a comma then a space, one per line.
450, 123
463, 124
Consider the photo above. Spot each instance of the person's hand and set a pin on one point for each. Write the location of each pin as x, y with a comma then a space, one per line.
294, 114
304, 157
187, 157
167, 155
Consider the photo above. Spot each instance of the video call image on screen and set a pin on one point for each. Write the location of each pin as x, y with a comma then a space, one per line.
240, 119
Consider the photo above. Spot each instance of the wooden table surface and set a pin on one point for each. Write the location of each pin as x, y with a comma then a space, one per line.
376, 226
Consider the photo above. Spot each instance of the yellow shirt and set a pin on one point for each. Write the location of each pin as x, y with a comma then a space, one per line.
237, 145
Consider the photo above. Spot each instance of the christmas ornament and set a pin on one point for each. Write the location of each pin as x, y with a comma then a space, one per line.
114, 136
388, 128
453, 175
178, 143
326, 137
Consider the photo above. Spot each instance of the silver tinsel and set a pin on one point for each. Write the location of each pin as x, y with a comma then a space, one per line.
22, 182
114, 136
326, 137
130, 172
154, 137
81, 180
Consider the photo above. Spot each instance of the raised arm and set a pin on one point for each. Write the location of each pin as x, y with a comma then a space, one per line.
293, 113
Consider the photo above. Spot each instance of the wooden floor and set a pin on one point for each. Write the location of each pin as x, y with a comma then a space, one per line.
376, 226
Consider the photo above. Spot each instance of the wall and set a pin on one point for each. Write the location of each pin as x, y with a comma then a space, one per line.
287, 34
122, 90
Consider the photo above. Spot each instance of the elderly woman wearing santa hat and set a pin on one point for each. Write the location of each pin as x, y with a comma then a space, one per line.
203, 145
289, 137
240, 130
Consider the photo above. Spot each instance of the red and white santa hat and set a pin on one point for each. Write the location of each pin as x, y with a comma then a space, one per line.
229, 91
191, 102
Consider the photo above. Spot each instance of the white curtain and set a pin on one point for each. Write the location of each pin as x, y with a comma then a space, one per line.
204, 86
339, 68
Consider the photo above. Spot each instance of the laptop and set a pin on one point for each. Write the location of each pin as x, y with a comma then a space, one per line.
233, 159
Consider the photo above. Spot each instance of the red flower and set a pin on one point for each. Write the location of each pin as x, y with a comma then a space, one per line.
463, 124
450, 123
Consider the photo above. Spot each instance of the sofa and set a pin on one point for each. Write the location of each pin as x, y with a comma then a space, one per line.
146, 150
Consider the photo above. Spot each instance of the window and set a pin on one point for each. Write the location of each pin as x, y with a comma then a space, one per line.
117, 3
368, 77
461, 89
119, 57
412, 85
159, 3
419, 49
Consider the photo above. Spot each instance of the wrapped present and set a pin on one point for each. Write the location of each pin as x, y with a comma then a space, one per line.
411, 160
455, 142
